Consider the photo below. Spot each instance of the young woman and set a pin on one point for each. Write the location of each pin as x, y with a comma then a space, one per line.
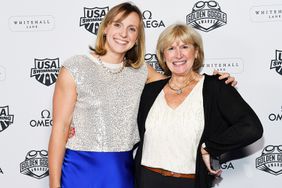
98, 95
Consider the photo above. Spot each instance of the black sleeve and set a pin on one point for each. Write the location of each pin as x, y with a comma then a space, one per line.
237, 125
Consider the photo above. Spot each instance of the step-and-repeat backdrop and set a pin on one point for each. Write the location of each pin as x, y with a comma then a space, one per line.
242, 37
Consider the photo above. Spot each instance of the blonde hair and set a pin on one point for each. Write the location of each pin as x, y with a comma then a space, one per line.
135, 55
184, 33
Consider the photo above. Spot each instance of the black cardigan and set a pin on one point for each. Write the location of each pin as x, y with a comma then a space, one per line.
230, 123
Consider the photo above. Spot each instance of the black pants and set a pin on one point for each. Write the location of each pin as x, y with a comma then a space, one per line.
151, 179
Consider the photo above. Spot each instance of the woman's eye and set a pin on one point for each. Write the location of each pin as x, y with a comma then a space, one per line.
186, 46
132, 29
117, 24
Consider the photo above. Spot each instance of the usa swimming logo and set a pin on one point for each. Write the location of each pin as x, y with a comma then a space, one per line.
6, 119
277, 62
92, 18
46, 70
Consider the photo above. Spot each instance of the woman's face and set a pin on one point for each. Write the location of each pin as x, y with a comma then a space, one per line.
179, 57
122, 35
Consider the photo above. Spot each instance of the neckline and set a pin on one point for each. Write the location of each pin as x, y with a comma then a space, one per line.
108, 65
186, 98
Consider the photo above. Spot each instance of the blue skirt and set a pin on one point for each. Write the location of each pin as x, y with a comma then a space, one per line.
86, 169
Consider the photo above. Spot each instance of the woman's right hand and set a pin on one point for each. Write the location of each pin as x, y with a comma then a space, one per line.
207, 160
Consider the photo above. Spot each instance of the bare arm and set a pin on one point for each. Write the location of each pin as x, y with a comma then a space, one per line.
153, 75
64, 99
207, 160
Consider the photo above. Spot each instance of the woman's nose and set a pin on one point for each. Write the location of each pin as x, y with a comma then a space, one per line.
123, 32
178, 53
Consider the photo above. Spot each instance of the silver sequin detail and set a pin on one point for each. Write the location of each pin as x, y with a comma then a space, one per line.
105, 114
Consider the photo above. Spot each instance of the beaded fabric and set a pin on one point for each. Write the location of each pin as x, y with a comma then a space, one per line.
105, 114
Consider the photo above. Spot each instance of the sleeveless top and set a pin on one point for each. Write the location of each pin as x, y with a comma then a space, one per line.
105, 113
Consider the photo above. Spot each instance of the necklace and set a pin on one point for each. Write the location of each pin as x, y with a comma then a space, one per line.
179, 90
119, 70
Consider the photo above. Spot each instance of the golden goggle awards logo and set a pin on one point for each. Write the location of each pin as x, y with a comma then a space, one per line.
270, 160
35, 164
206, 16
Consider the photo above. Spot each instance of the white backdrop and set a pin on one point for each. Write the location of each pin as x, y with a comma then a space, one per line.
37, 36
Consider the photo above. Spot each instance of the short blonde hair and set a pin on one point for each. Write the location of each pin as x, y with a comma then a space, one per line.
134, 56
187, 35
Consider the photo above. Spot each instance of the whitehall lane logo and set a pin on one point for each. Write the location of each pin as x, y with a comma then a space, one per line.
31, 23
266, 13
277, 62
231, 65
35, 164
2, 73
206, 16
92, 18
270, 160
6, 119
151, 59
45, 121
150, 22
46, 70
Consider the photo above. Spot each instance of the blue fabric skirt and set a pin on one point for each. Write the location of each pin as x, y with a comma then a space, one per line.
85, 169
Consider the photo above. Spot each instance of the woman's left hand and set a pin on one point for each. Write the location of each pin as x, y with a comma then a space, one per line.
223, 75
207, 160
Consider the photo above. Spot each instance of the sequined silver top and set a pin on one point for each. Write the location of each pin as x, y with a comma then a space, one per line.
105, 114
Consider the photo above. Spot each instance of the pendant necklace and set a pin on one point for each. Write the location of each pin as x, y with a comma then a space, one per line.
179, 90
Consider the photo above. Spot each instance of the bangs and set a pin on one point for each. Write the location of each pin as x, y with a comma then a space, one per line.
126, 10
123, 15
178, 33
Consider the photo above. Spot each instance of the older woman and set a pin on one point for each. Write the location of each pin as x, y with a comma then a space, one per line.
188, 117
